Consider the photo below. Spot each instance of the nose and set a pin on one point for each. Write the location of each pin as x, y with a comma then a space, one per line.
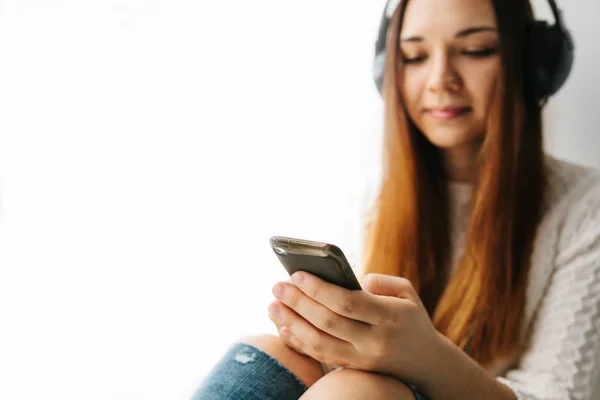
443, 76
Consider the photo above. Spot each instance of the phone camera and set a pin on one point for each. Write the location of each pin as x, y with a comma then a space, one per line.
279, 250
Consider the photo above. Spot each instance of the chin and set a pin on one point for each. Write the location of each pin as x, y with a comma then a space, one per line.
447, 139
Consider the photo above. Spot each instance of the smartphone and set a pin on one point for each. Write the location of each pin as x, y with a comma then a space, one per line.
323, 260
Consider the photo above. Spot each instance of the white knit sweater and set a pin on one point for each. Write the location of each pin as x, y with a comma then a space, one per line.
562, 311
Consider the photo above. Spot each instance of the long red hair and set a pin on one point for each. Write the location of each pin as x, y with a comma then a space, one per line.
482, 303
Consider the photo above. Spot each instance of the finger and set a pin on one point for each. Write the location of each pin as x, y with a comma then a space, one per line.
310, 340
278, 326
358, 305
275, 322
321, 316
289, 343
293, 342
388, 285
288, 336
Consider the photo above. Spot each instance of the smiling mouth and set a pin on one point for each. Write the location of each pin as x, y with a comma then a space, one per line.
448, 113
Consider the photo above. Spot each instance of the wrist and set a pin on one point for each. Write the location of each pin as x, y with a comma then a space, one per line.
452, 374
425, 369
435, 363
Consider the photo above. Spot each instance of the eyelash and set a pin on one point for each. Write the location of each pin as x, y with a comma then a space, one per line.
412, 60
473, 54
480, 53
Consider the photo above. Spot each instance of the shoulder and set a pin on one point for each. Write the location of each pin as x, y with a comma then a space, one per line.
566, 179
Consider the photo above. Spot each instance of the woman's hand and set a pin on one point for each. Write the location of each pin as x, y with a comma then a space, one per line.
383, 328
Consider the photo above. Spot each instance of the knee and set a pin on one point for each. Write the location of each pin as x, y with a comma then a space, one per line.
353, 384
305, 368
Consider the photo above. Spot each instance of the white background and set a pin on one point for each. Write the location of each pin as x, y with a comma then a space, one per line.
149, 149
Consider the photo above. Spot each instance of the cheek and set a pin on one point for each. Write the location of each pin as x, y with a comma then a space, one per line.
481, 85
411, 91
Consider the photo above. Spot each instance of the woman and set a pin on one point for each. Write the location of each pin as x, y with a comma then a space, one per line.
482, 254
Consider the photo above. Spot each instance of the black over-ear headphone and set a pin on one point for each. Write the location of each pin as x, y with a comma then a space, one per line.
550, 51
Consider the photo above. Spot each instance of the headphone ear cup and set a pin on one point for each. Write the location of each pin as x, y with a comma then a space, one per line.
378, 70
549, 56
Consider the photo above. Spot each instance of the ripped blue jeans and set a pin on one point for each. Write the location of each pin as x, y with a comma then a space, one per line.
247, 373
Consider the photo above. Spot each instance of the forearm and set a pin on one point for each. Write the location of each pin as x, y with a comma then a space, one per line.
455, 376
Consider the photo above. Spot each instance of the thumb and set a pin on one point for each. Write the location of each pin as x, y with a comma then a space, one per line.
388, 285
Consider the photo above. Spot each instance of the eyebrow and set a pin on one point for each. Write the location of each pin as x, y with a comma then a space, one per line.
460, 34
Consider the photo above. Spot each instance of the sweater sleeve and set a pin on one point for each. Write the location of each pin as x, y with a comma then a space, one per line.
562, 357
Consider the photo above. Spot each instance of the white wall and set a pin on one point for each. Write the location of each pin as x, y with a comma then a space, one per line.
149, 149
573, 120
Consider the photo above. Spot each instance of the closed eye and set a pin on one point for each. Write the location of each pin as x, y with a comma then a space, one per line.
470, 53
413, 60
479, 53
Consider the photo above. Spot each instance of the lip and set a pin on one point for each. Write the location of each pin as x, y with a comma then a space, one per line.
447, 113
